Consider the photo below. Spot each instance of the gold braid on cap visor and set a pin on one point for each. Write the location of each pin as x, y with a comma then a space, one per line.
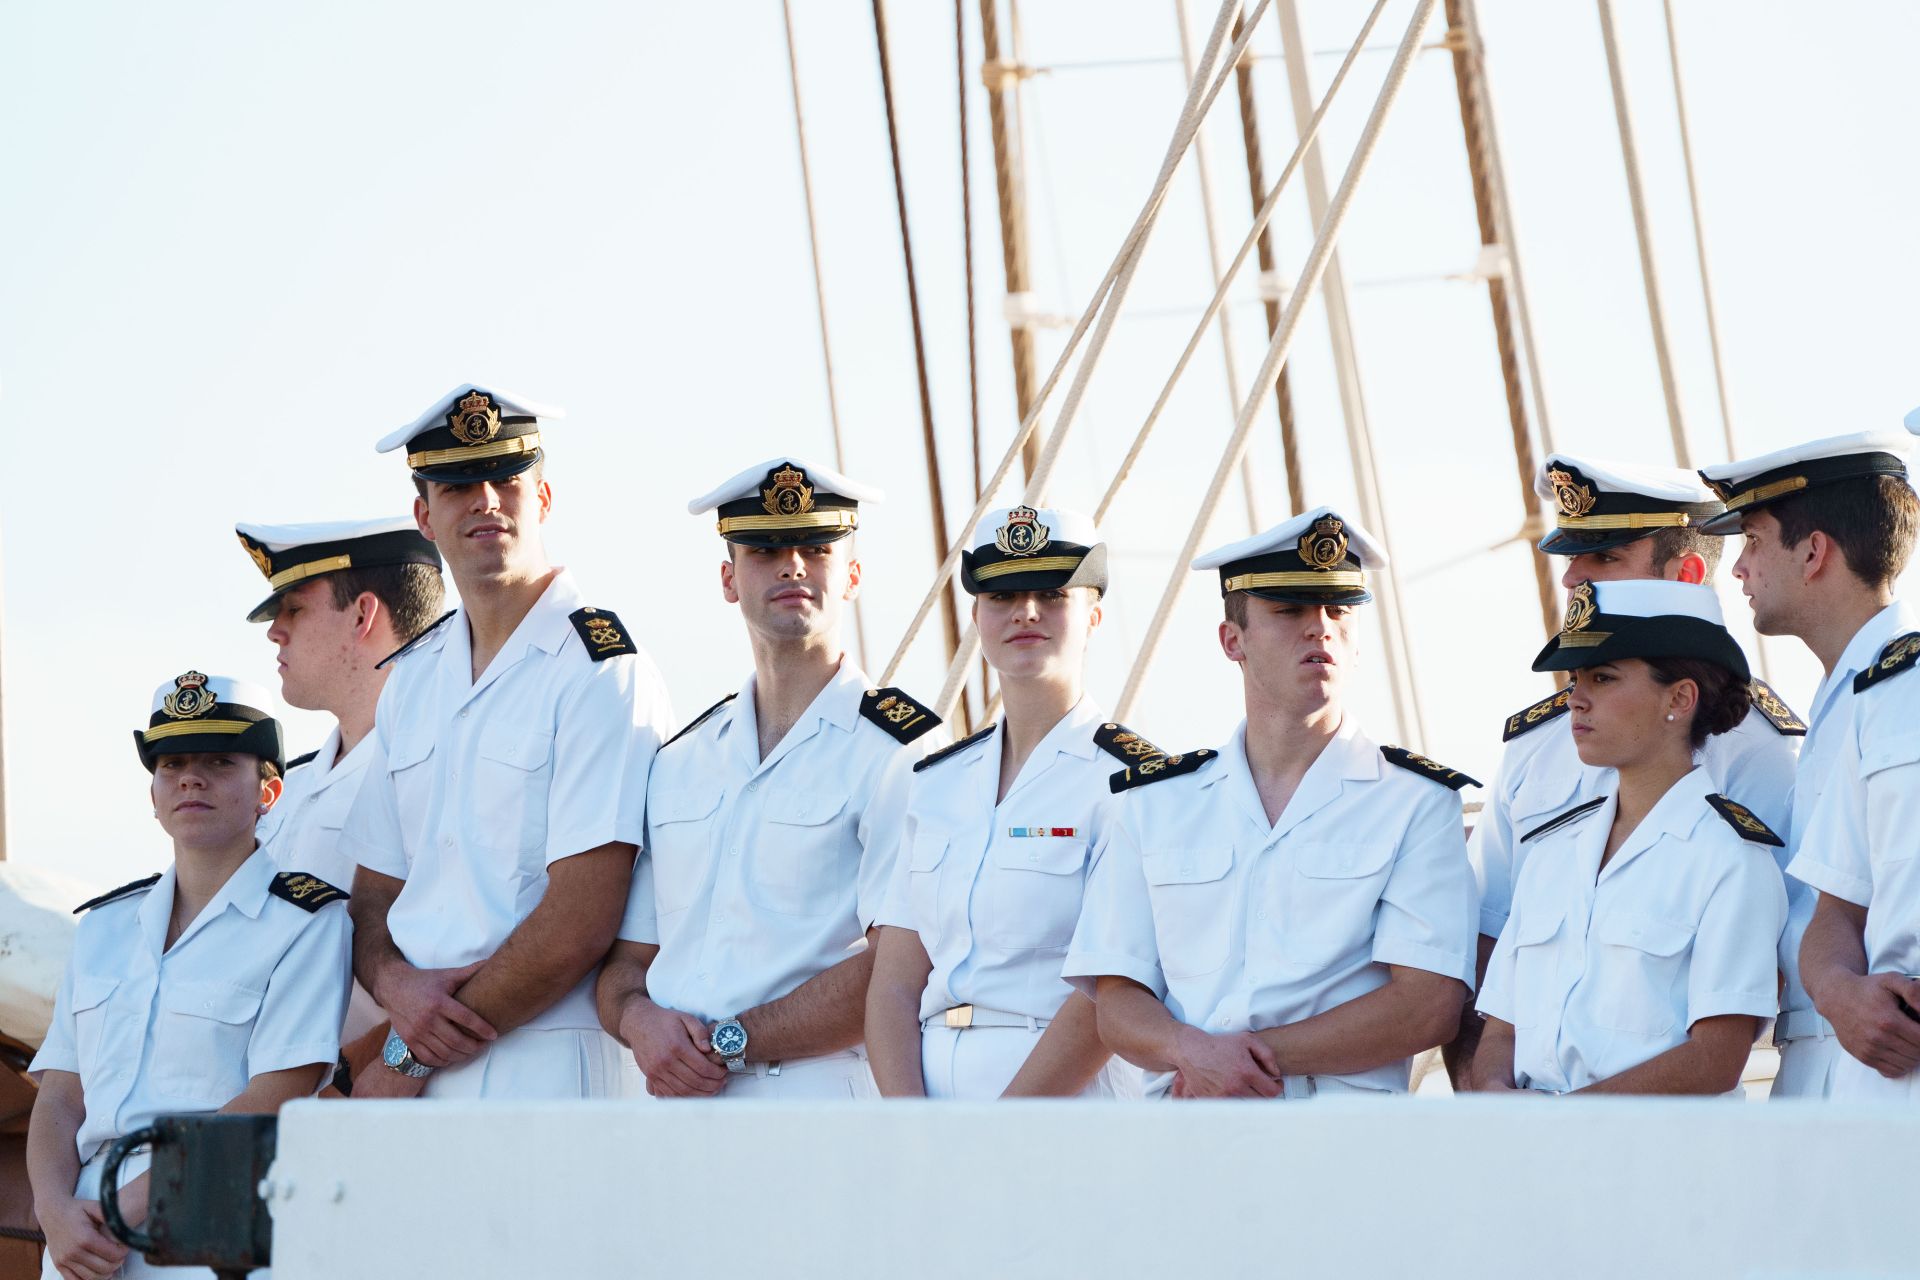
311, 568
1765, 491
474, 453
1629, 520
1348, 579
1033, 564
182, 727
837, 518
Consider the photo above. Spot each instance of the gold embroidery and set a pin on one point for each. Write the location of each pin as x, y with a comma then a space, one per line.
1324, 545
1572, 497
190, 697
1022, 534
788, 493
474, 419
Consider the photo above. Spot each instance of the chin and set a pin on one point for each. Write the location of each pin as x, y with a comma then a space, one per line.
1594, 754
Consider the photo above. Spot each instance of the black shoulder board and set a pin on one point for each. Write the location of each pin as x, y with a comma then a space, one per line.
1775, 708
1123, 744
944, 752
425, 631
1534, 716
114, 895
698, 720
899, 716
600, 630
1899, 655
1158, 769
1452, 779
309, 893
1560, 820
1741, 819
297, 761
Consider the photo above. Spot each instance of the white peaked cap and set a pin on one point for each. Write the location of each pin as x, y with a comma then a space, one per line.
285, 537
1657, 598
1912, 421
226, 691
1063, 524
1667, 484
1881, 441
1285, 536
508, 403
748, 483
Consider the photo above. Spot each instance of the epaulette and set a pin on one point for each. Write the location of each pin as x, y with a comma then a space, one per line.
114, 895
1741, 819
1775, 708
897, 715
425, 631
297, 761
600, 630
309, 893
1413, 761
1899, 655
1158, 769
698, 720
929, 761
1572, 815
1124, 745
1536, 715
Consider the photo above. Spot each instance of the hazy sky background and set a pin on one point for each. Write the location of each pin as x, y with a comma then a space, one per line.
242, 242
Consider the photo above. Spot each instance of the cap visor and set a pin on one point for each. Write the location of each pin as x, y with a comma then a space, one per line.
480, 472
269, 608
1284, 595
1569, 542
786, 537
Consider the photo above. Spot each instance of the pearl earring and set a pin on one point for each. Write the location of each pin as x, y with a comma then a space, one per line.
1669, 715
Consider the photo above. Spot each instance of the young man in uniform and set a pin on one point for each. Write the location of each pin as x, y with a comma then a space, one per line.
216, 985
1293, 914
1615, 522
496, 826
343, 595
741, 969
1827, 527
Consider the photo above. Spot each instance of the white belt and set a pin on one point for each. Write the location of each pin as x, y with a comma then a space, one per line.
764, 1069
1800, 1024
965, 1016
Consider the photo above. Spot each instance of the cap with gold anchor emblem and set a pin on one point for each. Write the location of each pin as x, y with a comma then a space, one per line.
195, 713
472, 434
1317, 557
290, 554
786, 502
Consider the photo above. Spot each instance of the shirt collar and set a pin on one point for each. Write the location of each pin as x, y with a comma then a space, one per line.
1675, 814
245, 891
547, 625
1863, 648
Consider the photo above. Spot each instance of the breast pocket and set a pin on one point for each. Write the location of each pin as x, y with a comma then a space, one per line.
410, 765
680, 844
805, 858
1536, 966
1033, 898
200, 1039
90, 1010
513, 769
1326, 907
1639, 973
1191, 907
925, 858
1892, 771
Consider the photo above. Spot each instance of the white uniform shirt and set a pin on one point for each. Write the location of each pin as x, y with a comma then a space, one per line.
993, 889
1541, 775
759, 874
1602, 970
302, 833
1829, 728
476, 787
254, 984
1240, 924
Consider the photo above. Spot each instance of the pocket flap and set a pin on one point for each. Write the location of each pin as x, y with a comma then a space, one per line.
221, 1001
409, 750
1531, 928
1650, 934
1543, 793
929, 848
1186, 866
91, 992
806, 808
1056, 856
683, 805
1891, 755
1344, 860
521, 748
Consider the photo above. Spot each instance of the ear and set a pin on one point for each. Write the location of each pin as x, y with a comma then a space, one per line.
1682, 697
1819, 555
545, 494
1230, 642
728, 591
367, 611
853, 581
420, 518
1094, 615
270, 789
1692, 567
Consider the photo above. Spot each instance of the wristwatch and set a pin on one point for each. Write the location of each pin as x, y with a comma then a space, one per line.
729, 1040
397, 1056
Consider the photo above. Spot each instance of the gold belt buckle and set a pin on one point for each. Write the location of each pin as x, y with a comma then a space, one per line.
960, 1017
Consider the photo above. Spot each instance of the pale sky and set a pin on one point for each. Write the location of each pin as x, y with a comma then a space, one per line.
243, 242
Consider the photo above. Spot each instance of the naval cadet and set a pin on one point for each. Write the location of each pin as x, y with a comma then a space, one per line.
1291, 914
967, 1000
497, 823
1614, 522
342, 595
216, 985
1826, 527
1861, 852
742, 962
1638, 951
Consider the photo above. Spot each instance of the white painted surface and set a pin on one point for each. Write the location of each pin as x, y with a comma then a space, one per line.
36, 936
1470, 1187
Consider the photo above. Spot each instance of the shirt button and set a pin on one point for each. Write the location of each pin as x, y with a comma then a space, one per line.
446, 842
1186, 868
753, 786
463, 713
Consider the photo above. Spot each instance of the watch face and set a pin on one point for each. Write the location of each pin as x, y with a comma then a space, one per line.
729, 1040
394, 1052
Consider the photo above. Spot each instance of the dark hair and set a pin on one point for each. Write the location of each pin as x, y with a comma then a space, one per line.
1724, 696
1235, 604
412, 594
1870, 518
268, 769
1670, 544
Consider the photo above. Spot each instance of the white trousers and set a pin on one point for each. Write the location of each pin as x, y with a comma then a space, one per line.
978, 1063
1855, 1081
1807, 1068
538, 1064
831, 1077
136, 1267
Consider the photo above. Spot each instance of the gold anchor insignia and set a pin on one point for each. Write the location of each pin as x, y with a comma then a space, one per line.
190, 697
1135, 745
1746, 819
1324, 545
474, 419
1547, 708
1899, 652
1572, 497
899, 712
259, 554
603, 633
1580, 609
304, 886
1022, 534
787, 493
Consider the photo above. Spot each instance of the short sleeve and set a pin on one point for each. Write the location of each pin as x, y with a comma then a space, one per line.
1490, 851
1115, 937
607, 729
1427, 909
372, 835
881, 824
1734, 970
58, 1051
895, 908
1834, 855
1496, 989
306, 1001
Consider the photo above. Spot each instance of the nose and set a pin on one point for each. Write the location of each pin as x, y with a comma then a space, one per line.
1577, 699
1026, 606
276, 633
794, 564
1740, 564
1572, 576
486, 496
